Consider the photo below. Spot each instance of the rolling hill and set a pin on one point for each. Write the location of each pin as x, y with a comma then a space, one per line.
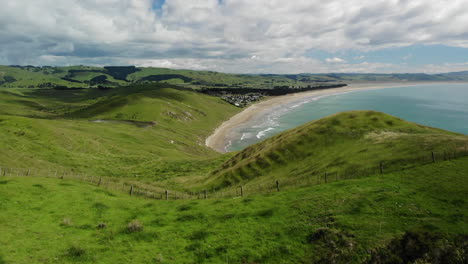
140, 132
346, 144
115, 76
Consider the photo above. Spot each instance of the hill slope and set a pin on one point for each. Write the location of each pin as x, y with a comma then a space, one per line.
148, 132
47, 220
346, 143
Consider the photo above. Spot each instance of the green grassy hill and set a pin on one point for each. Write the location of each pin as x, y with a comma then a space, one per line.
30, 77
85, 76
115, 76
46, 220
348, 143
146, 132
152, 136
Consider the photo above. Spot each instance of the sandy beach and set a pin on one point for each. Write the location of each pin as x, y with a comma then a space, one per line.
225, 132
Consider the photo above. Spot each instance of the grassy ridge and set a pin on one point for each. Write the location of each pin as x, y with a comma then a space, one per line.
53, 221
343, 143
86, 76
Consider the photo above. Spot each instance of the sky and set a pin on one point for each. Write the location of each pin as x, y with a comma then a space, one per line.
239, 36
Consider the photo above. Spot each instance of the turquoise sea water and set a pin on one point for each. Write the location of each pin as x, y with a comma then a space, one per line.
442, 105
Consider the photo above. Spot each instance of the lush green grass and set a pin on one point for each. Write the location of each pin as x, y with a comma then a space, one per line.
46, 103
170, 144
344, 143
47, 220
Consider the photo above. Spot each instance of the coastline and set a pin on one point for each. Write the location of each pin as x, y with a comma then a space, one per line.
220, 138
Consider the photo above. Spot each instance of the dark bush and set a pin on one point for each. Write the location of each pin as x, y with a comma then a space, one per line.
75, 252
199, 235
101, 226
266, 213
423, 247
184, 207
332, 246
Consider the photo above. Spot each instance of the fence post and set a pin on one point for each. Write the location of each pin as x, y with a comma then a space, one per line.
175, 195
131, 189
277, 186
99, 183
27, 173
204, 194
433, 157
381, 167
242, 190
167, 194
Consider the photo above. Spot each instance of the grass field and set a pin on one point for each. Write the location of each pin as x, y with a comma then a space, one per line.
58, 221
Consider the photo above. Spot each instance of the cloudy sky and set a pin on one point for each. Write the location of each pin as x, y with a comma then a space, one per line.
242, 36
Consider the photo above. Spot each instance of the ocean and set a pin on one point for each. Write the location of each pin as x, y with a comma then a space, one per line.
437, 105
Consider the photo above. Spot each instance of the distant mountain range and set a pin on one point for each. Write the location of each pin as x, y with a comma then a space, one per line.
113, 76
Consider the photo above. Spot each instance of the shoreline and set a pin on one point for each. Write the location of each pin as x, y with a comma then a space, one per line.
221, 136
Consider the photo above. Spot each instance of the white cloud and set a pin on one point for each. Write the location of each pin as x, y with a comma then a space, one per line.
334, 60
231, 35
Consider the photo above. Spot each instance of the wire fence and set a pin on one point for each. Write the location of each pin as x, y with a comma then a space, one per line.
135, 188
